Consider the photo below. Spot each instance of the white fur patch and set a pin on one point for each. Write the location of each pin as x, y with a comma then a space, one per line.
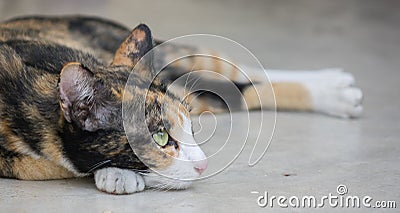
118, 181
182, 171
332, 91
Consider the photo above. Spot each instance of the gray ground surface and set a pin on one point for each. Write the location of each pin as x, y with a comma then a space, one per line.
317, 152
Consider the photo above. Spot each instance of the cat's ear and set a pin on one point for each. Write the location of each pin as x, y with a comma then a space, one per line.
136, 45
77, 89
85, 100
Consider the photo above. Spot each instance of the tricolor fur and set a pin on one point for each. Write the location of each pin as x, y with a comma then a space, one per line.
63, 86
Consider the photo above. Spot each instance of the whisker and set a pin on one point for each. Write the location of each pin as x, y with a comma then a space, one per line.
139, 170
169, 188
194, 84
97, 165
187, 78
146, 173
157, 187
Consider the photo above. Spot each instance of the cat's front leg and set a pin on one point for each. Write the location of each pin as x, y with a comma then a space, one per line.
118, 181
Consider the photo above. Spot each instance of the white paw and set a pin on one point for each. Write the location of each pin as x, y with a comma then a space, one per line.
333, 93
118, 181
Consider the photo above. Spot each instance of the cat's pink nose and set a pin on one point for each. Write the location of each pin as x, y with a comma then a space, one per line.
200, 166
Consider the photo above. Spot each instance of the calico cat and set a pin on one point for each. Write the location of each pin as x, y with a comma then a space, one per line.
63, 87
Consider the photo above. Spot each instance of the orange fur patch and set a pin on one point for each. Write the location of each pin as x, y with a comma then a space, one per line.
46, 85
127, 47
156, 156
288, 96
28, 168
14, 143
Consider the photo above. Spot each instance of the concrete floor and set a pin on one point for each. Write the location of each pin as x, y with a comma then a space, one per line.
316, 152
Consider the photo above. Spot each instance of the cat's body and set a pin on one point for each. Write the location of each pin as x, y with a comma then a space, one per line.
62, 87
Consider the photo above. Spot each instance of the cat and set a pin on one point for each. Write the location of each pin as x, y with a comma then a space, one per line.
63, 87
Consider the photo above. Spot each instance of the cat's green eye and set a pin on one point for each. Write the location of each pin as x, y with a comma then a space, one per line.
161, 138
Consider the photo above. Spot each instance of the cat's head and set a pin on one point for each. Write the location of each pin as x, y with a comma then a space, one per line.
156, 122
